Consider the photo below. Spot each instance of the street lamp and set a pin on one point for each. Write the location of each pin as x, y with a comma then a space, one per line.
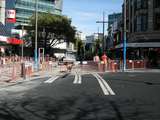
36, 29
124, 41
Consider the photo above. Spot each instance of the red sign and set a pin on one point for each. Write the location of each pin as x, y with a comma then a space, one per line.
11, 16
15, 41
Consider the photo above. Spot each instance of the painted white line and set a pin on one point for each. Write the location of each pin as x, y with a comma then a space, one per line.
75, 78
105, 91
106, 85
79, 79
51, 79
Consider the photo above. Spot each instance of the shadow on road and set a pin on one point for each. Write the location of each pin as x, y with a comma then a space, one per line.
84, 107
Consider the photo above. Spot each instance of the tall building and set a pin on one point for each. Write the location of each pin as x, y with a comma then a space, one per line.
114, 29
143, 30
112, 18
26, 8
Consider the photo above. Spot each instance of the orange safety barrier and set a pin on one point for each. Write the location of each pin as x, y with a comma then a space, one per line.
63, 68
14, 73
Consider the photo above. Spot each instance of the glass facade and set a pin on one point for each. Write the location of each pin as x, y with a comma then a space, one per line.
26, 8
113, 18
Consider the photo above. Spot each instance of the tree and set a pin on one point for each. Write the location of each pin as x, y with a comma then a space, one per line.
97, 47
53, 30
80, 49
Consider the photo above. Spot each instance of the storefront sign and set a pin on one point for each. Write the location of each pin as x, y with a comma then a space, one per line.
11, 16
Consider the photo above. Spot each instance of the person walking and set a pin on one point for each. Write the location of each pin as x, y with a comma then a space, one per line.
104, 59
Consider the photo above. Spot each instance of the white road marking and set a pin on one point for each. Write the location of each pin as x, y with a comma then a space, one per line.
106, 85
51, 79
105, 91
79, 79
75, 78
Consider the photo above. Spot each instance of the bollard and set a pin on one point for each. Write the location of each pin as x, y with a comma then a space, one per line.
23, 70
14, 73
113, 67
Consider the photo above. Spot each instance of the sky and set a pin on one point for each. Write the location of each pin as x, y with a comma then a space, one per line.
85, 13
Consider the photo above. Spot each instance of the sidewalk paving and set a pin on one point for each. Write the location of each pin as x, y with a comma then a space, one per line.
144, 70
40, 74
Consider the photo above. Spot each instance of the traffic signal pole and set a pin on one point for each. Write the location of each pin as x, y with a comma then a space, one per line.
103, 22
125, 39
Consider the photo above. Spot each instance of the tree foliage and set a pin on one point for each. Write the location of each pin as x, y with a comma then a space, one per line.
98, 47
53, 29
80, 49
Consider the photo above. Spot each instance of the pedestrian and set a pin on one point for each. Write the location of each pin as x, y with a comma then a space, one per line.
96, 59
104, 59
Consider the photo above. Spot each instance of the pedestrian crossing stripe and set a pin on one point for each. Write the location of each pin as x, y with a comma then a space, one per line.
104, 85
51, 80
77, 79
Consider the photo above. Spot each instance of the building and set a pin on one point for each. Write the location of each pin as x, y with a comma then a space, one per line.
114, 29
112, 18
20, 11
143, 30
26, 8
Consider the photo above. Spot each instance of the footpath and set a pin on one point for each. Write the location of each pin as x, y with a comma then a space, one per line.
5, 76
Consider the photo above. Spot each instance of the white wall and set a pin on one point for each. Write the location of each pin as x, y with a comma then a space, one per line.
2, 11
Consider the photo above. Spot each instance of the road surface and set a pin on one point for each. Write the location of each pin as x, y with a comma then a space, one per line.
77, 96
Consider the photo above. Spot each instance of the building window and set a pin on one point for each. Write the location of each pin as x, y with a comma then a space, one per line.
157, 21
156, 3
144, 21
138, 24
144, 4
141, 23
138, 4
141, 4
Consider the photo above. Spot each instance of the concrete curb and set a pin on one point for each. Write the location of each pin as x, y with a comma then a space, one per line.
37, 76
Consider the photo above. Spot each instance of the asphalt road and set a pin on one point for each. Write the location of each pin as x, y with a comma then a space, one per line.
110, 96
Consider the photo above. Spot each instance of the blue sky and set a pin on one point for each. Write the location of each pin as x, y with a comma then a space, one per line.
85, 13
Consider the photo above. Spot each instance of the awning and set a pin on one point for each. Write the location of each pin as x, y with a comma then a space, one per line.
14, 41
141, 45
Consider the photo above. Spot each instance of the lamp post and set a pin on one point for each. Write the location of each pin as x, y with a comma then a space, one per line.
103, 22
36, 29
22, 43
124, 41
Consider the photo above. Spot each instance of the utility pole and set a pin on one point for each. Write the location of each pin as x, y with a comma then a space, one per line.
124, 41
36, 29
103, 22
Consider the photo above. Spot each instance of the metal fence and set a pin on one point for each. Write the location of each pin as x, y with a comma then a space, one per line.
12, 68
112, 65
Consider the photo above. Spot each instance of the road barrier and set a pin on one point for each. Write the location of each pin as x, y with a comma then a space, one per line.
14, 67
